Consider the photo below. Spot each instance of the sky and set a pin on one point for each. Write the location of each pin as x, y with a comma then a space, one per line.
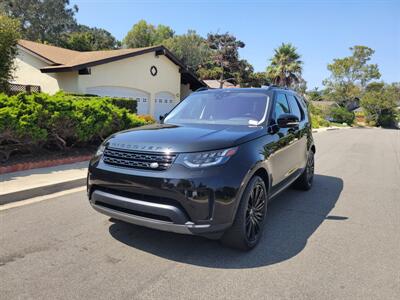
321, 30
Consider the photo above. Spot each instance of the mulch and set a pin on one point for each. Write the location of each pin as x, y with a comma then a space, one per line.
21, 162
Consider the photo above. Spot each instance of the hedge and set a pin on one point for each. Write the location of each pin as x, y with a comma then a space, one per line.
60, 121
342, 115
130, 104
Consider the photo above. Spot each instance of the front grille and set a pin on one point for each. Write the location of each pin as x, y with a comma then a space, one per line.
138, 160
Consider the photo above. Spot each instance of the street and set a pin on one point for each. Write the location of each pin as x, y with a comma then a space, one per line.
339, 240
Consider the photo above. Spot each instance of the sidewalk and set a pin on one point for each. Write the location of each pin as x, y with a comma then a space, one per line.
322, 129
37, 182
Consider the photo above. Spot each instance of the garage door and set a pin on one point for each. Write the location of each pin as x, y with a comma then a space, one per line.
141, 97
164, 102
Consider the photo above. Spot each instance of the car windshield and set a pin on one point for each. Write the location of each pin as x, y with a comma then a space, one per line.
230, 108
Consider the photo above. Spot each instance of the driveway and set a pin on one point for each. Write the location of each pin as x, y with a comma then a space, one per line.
339, 240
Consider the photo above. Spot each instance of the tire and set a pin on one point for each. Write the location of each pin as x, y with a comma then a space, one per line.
247, 228
305, 181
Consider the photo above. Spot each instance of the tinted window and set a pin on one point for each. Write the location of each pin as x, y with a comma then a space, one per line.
281, 105
225, 107
294, 107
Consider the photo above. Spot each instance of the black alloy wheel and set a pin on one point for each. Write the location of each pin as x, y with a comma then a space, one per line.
247, 228
255, 212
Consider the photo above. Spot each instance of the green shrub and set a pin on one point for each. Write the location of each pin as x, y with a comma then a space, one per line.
41, 120
318, 121
342, 115
317, 116
129, 104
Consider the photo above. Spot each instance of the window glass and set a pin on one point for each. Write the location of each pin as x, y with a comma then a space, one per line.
281, 105
294, 106
220, 107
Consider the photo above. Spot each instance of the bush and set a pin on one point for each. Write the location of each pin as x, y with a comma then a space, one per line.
39, 120
380, 106
129, 104
147, 118
317, 121
342, 115
317, 116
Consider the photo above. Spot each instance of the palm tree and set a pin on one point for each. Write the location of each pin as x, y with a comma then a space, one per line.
286, 67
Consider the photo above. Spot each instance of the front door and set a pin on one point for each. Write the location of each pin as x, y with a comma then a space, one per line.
284, 160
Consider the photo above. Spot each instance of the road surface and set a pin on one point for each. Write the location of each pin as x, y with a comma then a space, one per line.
341, 240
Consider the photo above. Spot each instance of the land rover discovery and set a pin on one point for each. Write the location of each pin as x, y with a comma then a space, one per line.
210, 167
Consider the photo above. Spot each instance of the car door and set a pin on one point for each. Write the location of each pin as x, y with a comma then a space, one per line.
282, 162
298, 150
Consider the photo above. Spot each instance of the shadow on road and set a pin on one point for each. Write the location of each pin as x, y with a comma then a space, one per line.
291, 219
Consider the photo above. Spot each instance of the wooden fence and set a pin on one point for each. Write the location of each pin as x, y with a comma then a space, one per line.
22, 88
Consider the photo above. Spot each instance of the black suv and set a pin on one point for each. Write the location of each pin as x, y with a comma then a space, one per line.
210, 168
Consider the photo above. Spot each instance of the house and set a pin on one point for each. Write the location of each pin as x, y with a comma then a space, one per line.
215, 84
152, 76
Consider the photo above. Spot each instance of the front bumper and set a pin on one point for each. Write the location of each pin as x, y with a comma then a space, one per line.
179, 199
139, 212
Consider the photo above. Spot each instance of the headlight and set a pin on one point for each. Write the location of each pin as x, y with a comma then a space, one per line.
207, 159
100, 150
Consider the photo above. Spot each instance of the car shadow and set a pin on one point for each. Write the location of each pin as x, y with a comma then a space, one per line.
291, 219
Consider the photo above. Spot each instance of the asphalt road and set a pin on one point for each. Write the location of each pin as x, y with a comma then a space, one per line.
339, 240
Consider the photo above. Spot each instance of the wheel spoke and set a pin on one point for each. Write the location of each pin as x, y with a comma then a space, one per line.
255, 211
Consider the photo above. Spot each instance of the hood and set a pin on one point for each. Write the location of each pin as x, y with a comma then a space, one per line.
187, 138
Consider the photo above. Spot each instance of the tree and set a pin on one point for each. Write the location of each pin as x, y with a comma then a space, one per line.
257, 79
286, 67
314, 95
190, 48
243, 73
42, 20
350, 75
9, 35
380, 105
90, 39
144, 34
226, 54
300, 86
162, 33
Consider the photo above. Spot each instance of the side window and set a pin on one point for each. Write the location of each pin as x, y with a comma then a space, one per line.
295, 107
281, 105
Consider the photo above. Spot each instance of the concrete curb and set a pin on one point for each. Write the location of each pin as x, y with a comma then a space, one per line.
323, 129
41, 191
43, 164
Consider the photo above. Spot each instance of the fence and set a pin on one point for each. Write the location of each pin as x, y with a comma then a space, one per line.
22, 88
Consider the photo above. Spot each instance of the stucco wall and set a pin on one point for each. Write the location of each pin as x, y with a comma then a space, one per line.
68, 81
134, 72
185, 90
27, 71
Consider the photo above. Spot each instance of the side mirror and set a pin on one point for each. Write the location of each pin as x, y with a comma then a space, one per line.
162, 117
288, 121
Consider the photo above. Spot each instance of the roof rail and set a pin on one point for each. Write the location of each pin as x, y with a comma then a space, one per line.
274, 86
204, 88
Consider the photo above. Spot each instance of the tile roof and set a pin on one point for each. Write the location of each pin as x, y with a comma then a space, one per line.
70, 58
62, 59
214, 84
